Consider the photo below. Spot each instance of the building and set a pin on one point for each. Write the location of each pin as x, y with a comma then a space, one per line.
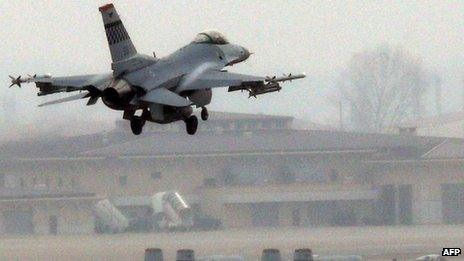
244, 170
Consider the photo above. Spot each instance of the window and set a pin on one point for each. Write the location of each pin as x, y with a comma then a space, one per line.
10, 181
229, 178
74, 183
47, 182
209, 182
22, 183
404, 204
265, 214
122, 181
296, 218
53, 225
155, 175
333, 175
453, 203
2, 180
287, 177
59, 182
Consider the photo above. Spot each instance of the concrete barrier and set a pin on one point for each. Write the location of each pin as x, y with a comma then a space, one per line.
303, 254
185, 255
271, 254
153, 254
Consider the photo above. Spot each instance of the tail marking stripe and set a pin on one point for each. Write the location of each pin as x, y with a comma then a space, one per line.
115, 32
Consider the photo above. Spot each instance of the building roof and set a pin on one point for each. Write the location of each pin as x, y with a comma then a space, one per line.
216, 115
53, 146
449, 149
60, 146
435, 120
210, 142
263, 142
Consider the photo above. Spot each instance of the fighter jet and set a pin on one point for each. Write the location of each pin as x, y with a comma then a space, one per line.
161, 90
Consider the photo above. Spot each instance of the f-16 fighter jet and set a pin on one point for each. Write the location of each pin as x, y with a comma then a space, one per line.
160, 90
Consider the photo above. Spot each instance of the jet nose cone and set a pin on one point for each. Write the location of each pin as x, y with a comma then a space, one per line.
246, 53
239, 55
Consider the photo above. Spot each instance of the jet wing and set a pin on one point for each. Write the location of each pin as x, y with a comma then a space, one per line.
255, 85
48, 85
67, 99
93, 84
213, 79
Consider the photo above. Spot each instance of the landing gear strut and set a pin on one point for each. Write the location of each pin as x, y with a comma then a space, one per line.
137, 125
191, 124
204, 113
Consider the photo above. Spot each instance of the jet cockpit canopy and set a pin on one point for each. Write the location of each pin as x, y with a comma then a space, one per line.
210, 37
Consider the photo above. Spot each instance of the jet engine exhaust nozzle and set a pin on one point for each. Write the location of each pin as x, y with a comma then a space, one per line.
119, 94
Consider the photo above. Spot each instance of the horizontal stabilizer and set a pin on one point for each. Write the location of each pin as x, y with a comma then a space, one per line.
67, 99
166, 97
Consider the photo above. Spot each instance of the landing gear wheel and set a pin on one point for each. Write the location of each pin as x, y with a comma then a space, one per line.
191, 124
137, 125
204, 114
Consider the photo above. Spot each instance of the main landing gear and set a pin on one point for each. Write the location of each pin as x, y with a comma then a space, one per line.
137, 124
191, 124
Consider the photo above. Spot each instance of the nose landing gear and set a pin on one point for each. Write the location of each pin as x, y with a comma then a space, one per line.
204, 113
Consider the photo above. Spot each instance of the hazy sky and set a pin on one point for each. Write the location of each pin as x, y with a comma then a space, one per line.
316, 37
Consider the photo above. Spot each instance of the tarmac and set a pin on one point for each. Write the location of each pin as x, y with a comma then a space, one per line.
373, 243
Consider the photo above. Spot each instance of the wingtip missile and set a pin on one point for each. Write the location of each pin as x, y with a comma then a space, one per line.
30, 78
15, 81
284, 78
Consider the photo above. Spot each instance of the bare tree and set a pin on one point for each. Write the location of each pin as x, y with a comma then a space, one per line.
382, 88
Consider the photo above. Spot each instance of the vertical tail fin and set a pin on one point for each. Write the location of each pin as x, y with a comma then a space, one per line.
121, 46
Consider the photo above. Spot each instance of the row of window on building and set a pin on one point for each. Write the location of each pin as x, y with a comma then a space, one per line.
36, 182
225, 178
228, 178
123, 180
9, 181
220, 126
